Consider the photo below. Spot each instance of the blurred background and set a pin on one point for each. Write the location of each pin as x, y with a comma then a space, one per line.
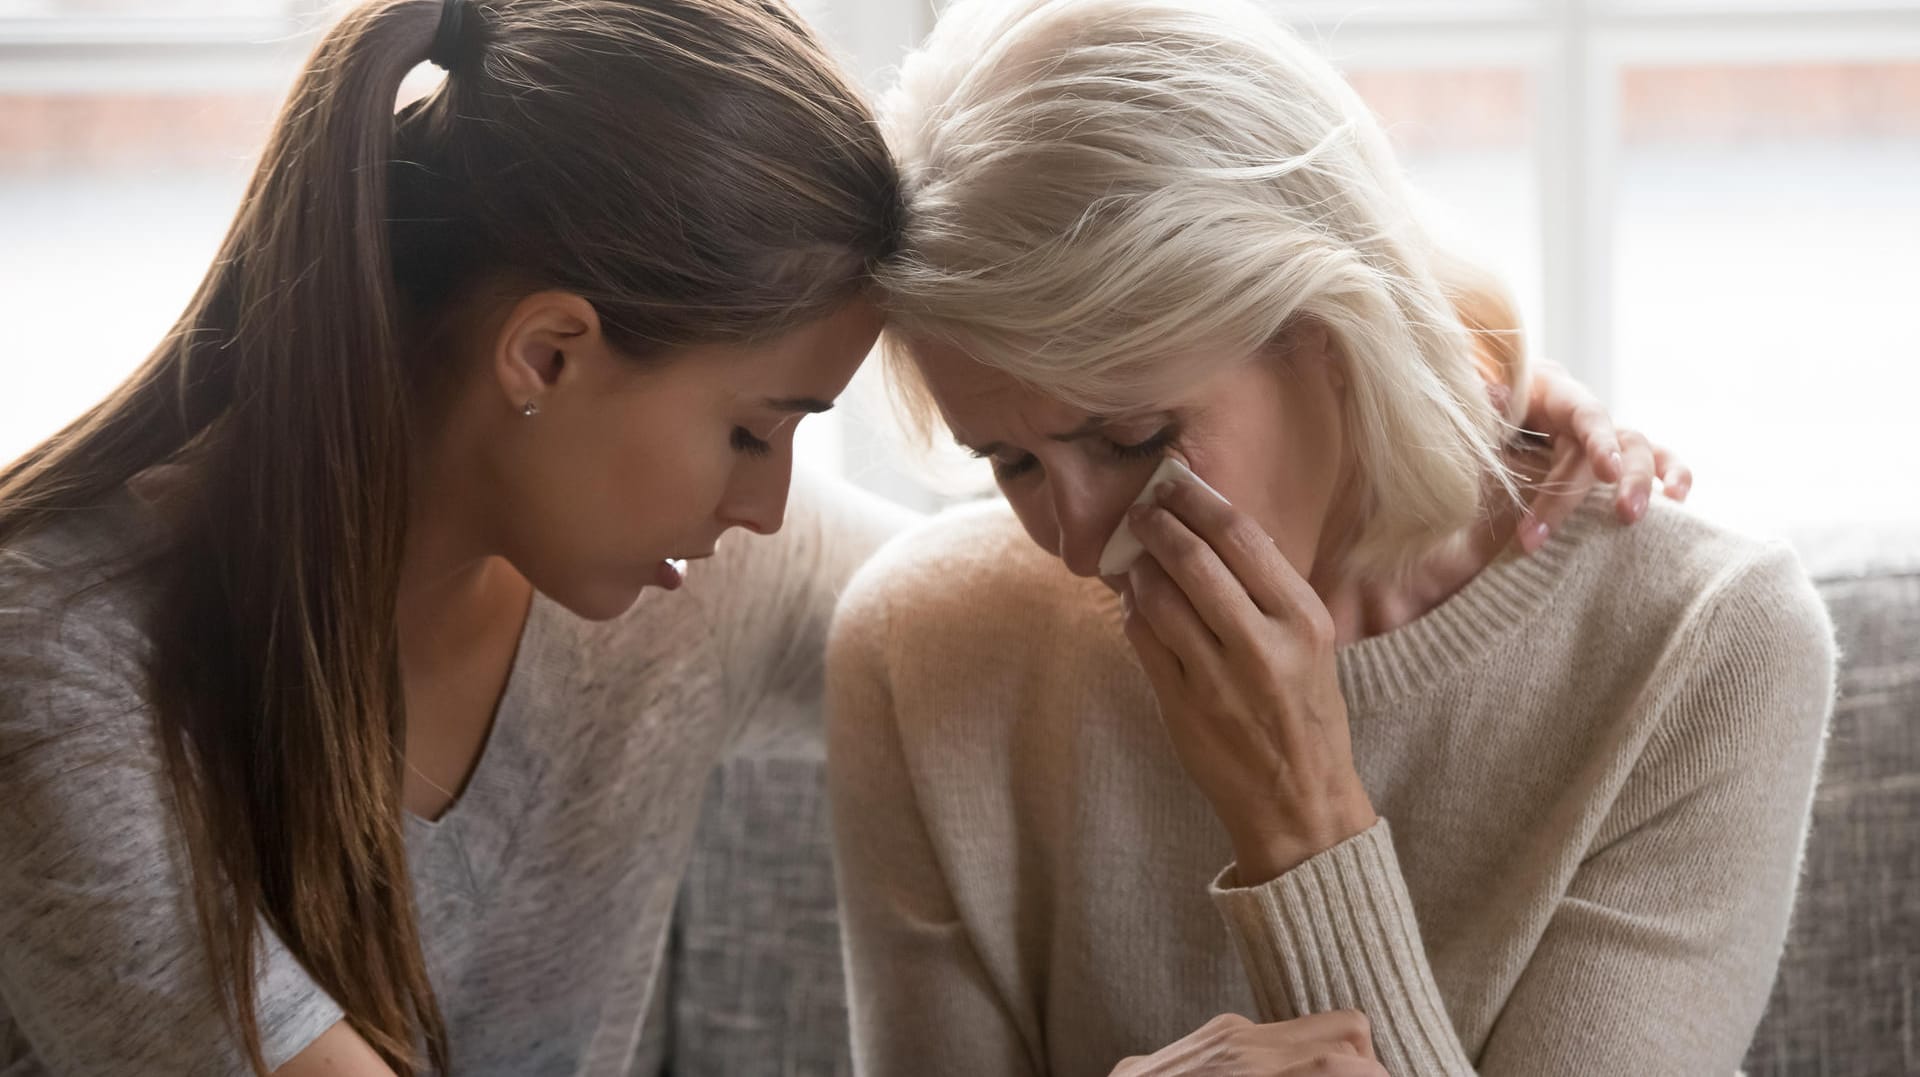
1709, 209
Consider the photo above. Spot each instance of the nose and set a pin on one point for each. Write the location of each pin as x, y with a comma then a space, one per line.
1082, 525
756, 497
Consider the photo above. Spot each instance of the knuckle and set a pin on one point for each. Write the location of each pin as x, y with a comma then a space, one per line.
1245, 535
1588, 415
1316, 628
1190, 562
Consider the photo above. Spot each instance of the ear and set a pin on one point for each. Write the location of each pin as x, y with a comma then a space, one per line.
1306, 345
546, 339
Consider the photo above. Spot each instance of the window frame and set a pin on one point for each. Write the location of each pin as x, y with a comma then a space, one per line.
1574, 50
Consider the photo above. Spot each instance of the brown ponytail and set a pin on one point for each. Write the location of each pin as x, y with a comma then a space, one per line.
292, 383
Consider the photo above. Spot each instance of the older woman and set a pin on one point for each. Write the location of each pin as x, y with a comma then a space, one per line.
1527, 815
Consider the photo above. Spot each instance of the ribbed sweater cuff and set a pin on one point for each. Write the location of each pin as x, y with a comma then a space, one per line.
1338, 933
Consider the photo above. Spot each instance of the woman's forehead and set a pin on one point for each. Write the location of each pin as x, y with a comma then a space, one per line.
961, 384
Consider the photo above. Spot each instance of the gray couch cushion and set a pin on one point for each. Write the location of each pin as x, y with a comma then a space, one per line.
756, 987
1845, 1001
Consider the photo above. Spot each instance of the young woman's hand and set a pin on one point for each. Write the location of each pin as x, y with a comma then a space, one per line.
1587, 450
1339, 1043
1241, 655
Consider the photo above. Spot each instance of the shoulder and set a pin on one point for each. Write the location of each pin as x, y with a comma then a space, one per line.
1733, 624
759, 591
1690, 573
75, 606
754, 582
830, 528
969, 582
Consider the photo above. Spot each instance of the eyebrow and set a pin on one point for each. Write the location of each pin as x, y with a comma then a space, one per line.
806, 404
1093, 425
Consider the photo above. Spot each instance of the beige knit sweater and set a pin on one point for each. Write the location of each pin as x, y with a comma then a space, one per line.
1593, 767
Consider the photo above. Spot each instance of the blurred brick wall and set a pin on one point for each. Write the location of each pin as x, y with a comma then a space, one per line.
1424, 110
186, 132
1478, 109
1761, 103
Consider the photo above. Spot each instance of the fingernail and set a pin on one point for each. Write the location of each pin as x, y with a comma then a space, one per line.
1639, 506
1618, 464
1533, 535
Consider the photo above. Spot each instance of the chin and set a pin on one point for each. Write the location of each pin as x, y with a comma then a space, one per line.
604, 602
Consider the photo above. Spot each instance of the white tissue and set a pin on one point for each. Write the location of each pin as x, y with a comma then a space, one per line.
1123, 549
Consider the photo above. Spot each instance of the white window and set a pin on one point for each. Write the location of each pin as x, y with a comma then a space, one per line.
1708, 208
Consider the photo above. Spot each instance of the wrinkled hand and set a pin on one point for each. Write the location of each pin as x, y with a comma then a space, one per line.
1240, 651
1589, 450
1339, 1043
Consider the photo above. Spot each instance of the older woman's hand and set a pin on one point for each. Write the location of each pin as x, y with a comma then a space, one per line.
1588, 449
1339, 1043
1240, 651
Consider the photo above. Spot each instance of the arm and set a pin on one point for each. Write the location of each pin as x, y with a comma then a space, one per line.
1660, 956
102, 966
339, 1052
1338, 932
921, 1000
774, 598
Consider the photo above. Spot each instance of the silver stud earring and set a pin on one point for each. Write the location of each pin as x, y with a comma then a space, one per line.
530, 409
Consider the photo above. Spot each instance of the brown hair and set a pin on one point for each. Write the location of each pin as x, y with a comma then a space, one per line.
697, 169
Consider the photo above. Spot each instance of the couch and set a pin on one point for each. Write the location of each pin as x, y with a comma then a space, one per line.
752, 982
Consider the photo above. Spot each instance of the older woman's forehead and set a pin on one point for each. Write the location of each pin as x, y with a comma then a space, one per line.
956, 378
971, 394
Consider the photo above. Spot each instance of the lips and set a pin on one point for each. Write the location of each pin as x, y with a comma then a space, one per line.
670, 575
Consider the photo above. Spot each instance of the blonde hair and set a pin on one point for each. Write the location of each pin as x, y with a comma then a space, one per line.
1102, 193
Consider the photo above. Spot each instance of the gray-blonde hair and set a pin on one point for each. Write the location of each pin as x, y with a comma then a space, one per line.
1099, 191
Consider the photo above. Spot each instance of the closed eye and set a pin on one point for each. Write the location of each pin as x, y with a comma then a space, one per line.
1141, 450
745, 442
1004, 469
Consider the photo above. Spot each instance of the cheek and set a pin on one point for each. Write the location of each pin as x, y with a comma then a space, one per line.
1264, 475
1078, 504
648, 476
1035, 514
678, 473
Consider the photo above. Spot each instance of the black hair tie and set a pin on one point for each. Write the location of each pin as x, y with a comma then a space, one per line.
445, 49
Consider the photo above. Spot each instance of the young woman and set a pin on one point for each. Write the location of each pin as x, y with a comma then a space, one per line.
1529, 815
459, 385
408, 481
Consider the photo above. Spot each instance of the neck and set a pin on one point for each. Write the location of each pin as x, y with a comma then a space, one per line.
453, 588
1363, 607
